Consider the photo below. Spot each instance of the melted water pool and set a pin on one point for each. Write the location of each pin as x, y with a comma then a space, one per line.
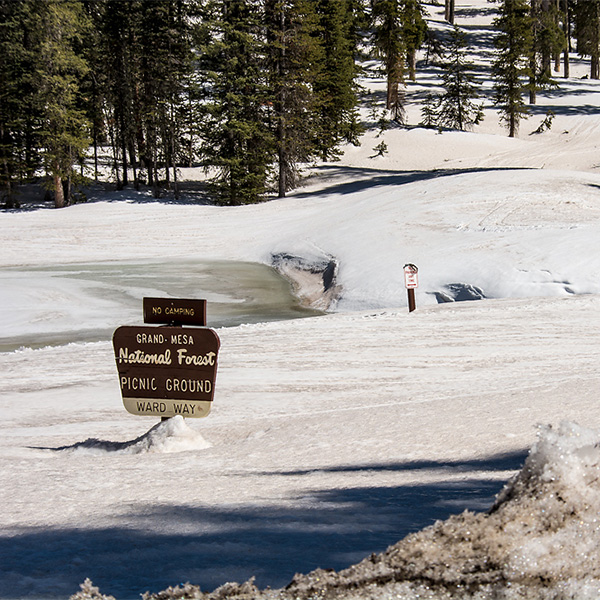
87, 302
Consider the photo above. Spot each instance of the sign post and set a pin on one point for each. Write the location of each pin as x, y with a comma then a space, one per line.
411, 282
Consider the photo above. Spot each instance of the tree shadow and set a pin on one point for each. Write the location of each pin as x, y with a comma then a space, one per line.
508, 461
33, 196
209, 545
363, 178
582, 109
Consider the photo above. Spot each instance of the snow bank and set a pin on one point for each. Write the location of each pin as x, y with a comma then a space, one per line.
541, 540
173, 435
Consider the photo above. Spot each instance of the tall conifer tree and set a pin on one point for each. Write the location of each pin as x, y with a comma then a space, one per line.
237, 140
335, 88
60, 68
119, 75
414, 32
390, 47
16, 95
511, 66
547, 41
165, 65
457, 108
292, 55
587, 32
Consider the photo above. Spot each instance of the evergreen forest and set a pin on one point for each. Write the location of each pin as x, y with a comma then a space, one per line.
250, 90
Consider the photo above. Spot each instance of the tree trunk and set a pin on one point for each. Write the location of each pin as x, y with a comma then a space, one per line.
123, 147
95, 142
115, 155
175, 183
533, 57
7, 174
282, 178
595, 72
532, 79
125, 166
392, 92
449, 11
10, 199
67, 189
59, 192
155, 187
595, 67
411, 59
567, 28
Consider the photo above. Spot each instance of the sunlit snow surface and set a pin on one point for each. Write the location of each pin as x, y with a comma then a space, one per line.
335, 437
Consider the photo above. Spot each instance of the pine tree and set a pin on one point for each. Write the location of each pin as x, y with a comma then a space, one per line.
291, 58
587, 32
566, 19
512, 64
547, 41
390, 47
60, 69
414, 32
429, 111
93, 84
237, 140
15, 96
118, 73
165, 66
145, 68
335, 89
456, 107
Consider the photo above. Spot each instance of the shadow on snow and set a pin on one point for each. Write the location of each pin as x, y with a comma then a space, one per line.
211, 544
365, 178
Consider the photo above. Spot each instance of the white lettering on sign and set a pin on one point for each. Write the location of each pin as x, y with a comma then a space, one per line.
182, 339
140, 357
198, 360
138, 383
150, 338
192, 386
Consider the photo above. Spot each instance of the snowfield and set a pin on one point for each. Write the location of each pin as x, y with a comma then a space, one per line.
332, 437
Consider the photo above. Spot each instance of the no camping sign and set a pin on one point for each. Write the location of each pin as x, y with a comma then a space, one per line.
411, 276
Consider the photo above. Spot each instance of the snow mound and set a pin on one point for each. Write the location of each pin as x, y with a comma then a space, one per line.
314, 281
541, 540
172, 435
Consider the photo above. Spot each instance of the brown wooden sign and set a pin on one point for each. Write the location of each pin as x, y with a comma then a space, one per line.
166, 371
174, 311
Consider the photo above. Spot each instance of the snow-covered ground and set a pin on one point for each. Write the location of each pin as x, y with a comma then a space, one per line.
331, 437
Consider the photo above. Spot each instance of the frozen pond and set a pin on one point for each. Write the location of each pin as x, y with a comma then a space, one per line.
87, 302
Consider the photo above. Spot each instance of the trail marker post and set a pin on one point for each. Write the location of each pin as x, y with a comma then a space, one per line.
411, 282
